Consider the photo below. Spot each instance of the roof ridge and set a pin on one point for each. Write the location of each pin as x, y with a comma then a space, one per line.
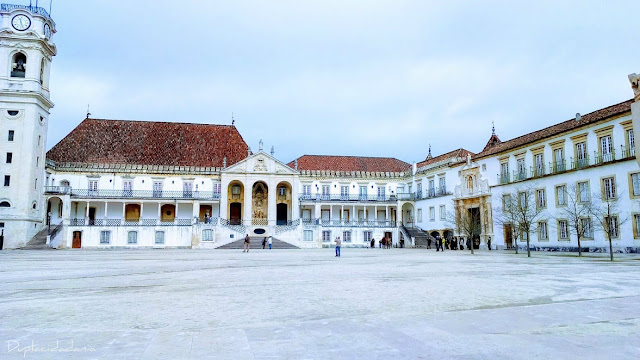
158, 122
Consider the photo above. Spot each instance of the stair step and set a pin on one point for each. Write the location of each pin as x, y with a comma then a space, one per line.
256, 243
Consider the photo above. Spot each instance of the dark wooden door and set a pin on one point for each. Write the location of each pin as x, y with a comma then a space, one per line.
508, 239
281, 216
235, 211
92, 216
77, 240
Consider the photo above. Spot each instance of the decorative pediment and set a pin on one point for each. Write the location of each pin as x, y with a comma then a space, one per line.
260, 163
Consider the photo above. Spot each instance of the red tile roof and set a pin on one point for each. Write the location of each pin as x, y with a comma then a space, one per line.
495, 147
150, 143
458, 153
350, 163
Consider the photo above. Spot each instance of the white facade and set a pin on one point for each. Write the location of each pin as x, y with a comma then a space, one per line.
26, 52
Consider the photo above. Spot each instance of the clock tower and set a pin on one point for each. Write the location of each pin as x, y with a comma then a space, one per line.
26, 51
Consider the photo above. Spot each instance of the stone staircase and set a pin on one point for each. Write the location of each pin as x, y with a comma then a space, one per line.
419, 236
38, 242
256, 243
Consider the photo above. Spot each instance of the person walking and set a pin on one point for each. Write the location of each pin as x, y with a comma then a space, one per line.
373, 243
264, 242
270, 241
428, 243
247, 241
489, 242
338, 245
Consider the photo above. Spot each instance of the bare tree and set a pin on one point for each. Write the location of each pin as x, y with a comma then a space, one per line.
524, 211
605, 209
507, 217
576, 210
466, 222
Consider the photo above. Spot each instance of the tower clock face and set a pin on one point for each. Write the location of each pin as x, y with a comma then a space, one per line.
21, 22
47, 31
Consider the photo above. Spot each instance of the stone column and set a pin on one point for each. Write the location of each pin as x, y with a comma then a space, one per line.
248, 205
272, 199
634, 79
196, 209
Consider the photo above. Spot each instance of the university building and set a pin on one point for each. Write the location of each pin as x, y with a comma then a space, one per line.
117, 183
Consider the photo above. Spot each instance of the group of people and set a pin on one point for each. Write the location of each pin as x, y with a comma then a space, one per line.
455, 243
265, 241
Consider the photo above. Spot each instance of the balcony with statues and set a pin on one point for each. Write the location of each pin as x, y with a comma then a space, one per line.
472, 187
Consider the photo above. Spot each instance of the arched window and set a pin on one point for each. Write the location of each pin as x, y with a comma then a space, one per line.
4, 204
42, 65
18, 65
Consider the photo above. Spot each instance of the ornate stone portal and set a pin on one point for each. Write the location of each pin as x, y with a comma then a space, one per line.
260, 203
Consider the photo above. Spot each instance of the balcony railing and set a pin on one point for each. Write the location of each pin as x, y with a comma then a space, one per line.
354, 223
627, 152
123, 222
538, 171
558, 167
601, 158
520, 175
579, 163
259, 222
340, 197
32, 9
504, 179
59, 190
436, 192
143, 194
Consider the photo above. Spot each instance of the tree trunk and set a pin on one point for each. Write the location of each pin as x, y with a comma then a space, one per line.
610, 247
515, 241
579, 247
528, 247
471, 247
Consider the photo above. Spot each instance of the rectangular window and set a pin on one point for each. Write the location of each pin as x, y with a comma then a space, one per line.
522, 171
366, 236
504, 170
132, 237
344, 192
581, 154
307, 235
159, 237
541, 198
631, 143
207, 235
609, 188
363, 192
561, 195
432, 213
105, 237
563, 228
583, 190
635, 184
127, 188
522, 200
419, 215
612, 225
326, 236
306, 190
7, 180
9, 157
506, 202
381, 192
326, 191
586, 225
543, 231
346, 236
443, 185
11, 134
539, 159
636, 224
187, 189
432, 188
93, 186
443, 212
217, 188
606, 148
157, 189
558, 158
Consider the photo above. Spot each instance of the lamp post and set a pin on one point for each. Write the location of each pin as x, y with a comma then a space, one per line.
48, 227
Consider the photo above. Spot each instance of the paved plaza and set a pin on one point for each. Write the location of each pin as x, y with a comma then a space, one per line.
308, 304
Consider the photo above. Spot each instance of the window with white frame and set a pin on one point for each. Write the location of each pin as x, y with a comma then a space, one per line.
558, 158
609, 188
541, 198
443, 212
207, 235
326, 236
432, 213
346, 236
563, 229
93, 186
432, 187
132, 237
127, 187
612, 225
506, 202
187, 189
443, 184
522, 170
306, 190
159, 237
606, 148
366, 236
282, 191
539, 160
587, 226
381, 191
543, 231
307, 235
105, 237
635, 184
419, 215
217, 188
344, 192
504, 171
581, 154
363, 192
631, 143
235, 190
522, 200
157, 188
583, 190
419, 189
561, 195
326, 192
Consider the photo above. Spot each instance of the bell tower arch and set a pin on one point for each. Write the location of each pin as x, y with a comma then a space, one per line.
26, 52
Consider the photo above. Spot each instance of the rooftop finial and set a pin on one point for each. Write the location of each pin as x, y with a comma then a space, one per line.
578, 117
88, 112
493, 128
233, 121
295, 164
260, 145
429, 149
273, 150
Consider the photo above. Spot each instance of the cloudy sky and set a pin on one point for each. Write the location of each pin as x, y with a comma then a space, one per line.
359, 77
